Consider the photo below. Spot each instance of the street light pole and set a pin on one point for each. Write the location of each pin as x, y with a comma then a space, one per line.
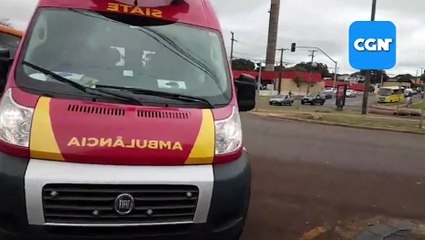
368, 73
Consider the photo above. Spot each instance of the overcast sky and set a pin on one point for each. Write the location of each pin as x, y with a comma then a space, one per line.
321, 23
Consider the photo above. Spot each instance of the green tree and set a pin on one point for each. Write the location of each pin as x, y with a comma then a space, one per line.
298, 81
317, 67
277, 68
406, 78
297, 68
243, 64
423, 78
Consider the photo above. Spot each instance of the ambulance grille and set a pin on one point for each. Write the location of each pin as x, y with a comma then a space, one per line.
96, 110
78, 204
163, 114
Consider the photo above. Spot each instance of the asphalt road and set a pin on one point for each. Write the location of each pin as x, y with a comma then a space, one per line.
307, 175
355, 103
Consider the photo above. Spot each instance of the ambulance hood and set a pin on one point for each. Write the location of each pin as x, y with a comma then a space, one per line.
100, 133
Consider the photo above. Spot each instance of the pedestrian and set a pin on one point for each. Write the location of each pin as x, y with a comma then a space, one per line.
290, 93
409, 102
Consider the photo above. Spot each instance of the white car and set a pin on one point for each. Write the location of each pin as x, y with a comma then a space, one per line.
351, 93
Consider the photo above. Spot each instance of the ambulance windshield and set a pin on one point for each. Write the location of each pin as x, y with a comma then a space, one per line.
118, 50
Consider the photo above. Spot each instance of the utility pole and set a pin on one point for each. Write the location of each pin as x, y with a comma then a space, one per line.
335, 76
231, 47
280, 70
260, 73
335, 62
372, 18
382, 79
311, 69
368, 73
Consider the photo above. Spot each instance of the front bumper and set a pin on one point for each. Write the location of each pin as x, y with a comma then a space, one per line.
227, 208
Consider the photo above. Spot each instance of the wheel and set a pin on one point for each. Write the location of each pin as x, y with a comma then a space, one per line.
302, 103
322, 103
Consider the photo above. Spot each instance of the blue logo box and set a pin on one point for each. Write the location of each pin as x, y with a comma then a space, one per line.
372, 45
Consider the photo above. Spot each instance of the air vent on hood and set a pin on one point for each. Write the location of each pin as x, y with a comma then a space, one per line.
97, 110
162, 114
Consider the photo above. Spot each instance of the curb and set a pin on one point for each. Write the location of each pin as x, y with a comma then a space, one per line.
379, 228
335, 124
374, 228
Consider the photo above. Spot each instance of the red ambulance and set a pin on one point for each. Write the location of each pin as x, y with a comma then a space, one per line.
121, 120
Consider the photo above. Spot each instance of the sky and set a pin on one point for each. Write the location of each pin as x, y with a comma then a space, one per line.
318, 23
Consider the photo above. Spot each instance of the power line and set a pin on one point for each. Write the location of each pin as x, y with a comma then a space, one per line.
285, 63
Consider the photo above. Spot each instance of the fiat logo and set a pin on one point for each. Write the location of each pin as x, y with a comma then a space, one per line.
124, 204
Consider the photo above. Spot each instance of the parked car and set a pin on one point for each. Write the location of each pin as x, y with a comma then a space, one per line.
314, 99
351, 93
334, 90
281, 100
328, 93
408, 92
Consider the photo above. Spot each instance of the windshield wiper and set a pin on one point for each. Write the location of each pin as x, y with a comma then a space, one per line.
78, 86
164, 41
173, 96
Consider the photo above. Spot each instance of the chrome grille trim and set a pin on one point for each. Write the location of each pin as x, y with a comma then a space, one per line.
76, 203
113, 225
40, 173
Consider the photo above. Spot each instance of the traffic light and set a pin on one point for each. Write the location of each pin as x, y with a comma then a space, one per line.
293, 47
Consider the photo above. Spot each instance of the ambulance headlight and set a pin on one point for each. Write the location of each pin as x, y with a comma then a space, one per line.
228, 134
15, 121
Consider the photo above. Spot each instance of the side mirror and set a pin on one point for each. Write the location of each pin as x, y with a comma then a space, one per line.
5, 62
246, 90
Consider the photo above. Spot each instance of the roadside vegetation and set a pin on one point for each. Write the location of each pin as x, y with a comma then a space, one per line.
349, 118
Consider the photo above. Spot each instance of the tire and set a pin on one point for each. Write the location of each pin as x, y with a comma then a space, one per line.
302, 103
322, 103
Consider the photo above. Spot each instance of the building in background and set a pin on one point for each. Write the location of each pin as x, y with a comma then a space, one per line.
269, 82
